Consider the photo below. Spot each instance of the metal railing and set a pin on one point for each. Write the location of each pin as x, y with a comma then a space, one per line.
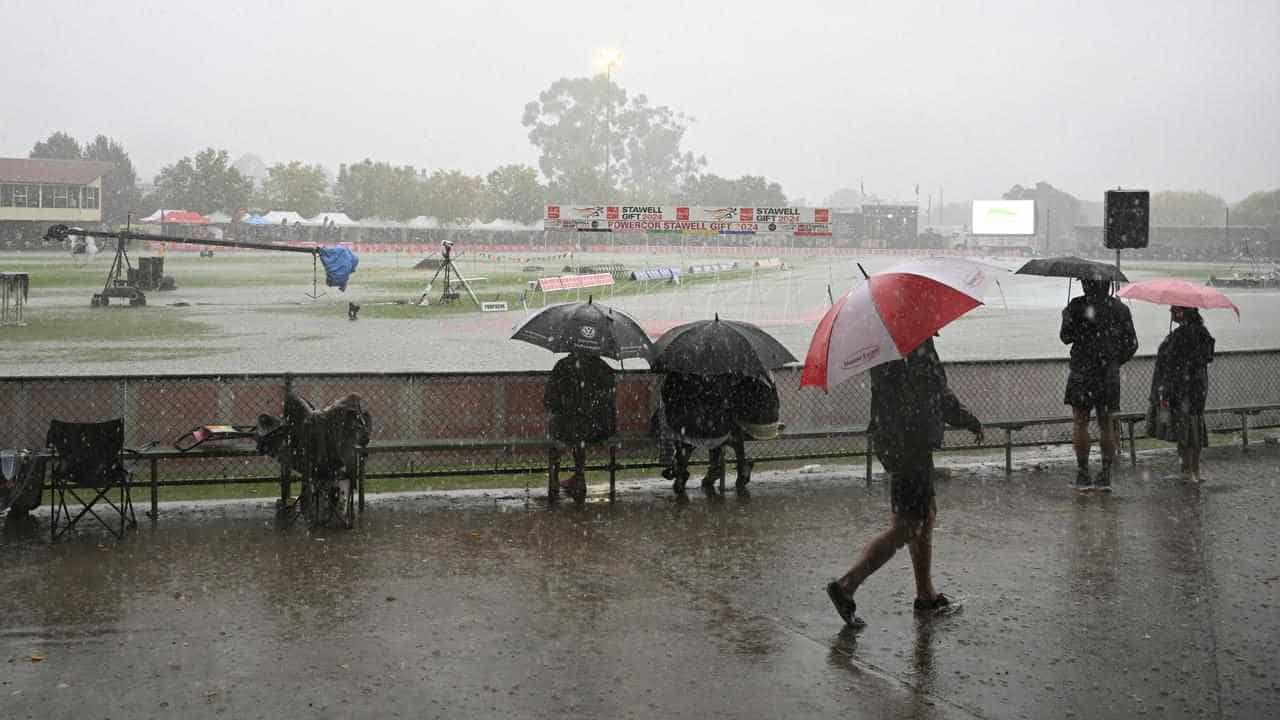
499, 406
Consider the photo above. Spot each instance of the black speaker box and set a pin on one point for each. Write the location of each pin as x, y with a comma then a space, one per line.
1126, 219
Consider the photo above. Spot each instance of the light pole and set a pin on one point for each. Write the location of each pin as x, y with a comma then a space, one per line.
607, 59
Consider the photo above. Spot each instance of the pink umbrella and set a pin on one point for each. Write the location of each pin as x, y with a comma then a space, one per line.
891, 314
1166, 291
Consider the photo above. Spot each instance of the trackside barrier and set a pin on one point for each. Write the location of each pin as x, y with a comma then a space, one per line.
667, 273
454, 424
574, 282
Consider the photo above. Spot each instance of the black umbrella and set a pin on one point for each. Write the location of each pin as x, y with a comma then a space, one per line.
719, 347
588, 328
1073, 267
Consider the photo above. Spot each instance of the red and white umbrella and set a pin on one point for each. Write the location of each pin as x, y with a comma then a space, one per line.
1165, 291
891, 314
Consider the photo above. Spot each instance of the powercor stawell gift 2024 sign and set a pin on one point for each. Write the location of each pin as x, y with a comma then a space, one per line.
721, 220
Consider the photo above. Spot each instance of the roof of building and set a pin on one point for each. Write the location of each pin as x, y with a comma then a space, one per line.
58, 172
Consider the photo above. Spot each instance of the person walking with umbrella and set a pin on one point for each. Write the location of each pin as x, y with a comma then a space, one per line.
886, 327
1099, 329
581, 391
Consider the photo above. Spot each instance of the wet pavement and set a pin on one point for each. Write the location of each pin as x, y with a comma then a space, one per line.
1159, 600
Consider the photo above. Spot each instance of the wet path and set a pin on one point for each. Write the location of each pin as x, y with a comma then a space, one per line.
1158, 601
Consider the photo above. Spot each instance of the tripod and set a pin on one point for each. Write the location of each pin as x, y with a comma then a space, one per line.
451, 276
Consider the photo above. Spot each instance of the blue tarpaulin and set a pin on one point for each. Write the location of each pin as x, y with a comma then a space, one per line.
339, 263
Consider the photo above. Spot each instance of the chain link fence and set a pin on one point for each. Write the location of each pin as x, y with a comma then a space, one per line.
500, 407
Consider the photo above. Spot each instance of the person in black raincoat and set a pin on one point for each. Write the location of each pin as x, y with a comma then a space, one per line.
753, 409
581, 396
910, 407
1099, 329
697, 413
1180, 387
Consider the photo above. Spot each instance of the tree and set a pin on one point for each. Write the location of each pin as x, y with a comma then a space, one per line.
1181, 207
368, 189
454, 198
120, 194
515, 194
593, 141
652, 165
206, 184
59, 146
298, 187
751, 190
1260, 208
1057, 211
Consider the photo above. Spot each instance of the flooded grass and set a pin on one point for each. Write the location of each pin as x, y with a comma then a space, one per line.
74, 328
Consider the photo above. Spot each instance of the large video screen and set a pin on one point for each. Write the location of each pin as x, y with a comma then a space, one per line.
1004, 217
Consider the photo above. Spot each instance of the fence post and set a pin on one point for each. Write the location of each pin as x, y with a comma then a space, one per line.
1244, 432
868, 459
1008, 451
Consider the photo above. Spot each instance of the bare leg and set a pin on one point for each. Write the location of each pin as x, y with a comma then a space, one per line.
580, 460
1080, 435
1107, 427
921, 549
878, 552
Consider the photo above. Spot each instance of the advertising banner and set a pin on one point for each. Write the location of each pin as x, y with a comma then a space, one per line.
683, 219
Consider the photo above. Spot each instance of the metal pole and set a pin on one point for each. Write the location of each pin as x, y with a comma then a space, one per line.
60, 232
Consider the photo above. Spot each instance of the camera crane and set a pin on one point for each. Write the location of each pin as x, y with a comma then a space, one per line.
120, 285
451, 276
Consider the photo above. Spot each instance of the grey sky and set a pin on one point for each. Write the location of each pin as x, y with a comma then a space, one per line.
970, 96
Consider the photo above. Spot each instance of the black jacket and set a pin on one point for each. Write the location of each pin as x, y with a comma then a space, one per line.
581, 397
1181, 376
911, 404
1100, 333
700, 406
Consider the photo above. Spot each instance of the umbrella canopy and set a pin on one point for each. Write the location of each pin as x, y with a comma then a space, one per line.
588, 328
719, 347
1178, 292
1073, 267
891, 314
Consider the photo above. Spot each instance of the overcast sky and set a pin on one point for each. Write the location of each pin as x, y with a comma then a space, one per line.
968, 96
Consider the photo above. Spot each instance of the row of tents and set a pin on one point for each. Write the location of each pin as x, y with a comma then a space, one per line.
325, 219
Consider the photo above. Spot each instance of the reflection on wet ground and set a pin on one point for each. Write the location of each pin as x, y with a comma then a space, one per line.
1157, 600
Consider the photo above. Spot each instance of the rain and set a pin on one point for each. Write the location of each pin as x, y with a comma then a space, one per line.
642, 360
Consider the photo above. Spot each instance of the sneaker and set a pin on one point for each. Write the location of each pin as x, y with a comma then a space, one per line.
744, 474
940, 605
845, 605
1103, 481
1083, 481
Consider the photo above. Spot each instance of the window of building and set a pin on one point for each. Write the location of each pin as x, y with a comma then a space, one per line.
19, 196
90, 199
53, 196
6, 196
33, 196
73, 196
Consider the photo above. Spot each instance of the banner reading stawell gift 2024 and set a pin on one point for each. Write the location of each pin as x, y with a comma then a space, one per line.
803, 221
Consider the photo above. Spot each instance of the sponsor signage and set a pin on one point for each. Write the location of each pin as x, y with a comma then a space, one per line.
686, 219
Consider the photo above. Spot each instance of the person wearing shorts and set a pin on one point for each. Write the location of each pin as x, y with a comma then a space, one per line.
1099, 329
910, 407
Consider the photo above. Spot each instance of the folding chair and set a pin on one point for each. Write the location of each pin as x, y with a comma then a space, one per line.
88, 459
